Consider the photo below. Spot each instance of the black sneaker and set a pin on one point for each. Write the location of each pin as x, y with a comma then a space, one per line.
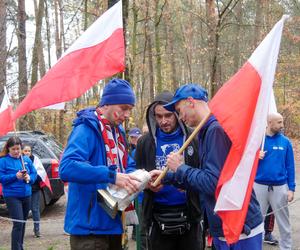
37, 234
269, 239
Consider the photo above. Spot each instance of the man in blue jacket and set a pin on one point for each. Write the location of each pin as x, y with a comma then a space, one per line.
94, 157
190, 101
275, 178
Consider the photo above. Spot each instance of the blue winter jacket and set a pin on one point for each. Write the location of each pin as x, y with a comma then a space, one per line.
277, 167
12, 186
214, 146
84, 166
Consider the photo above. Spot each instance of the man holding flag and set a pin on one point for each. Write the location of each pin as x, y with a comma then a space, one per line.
190, 101
275, 178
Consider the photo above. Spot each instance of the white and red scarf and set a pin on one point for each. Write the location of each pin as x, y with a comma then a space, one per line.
115, 145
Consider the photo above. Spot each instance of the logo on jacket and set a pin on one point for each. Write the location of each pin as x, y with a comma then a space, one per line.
161, 160
190, 150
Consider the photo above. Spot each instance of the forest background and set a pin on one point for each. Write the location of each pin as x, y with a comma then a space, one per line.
168, 43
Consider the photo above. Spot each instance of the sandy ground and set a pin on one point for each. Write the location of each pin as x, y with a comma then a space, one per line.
54, 238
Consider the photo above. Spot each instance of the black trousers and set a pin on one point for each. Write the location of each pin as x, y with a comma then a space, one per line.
96, 242
190, 240
18, 208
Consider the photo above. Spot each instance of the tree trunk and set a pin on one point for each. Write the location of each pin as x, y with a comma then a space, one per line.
58, 44
37, 48
237, 41
62, 48
125, 24
169, 24
157, 47
85, 15
213, 40
149, 53
48, 34
3, 53
258, 29
62, 29
133, 36
21, 34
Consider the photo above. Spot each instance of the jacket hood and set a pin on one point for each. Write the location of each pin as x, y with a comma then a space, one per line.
161, 99
88, 117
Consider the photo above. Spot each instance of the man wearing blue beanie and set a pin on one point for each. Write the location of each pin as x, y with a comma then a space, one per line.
95, 156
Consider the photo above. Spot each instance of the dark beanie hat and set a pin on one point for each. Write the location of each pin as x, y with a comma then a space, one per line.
117, 91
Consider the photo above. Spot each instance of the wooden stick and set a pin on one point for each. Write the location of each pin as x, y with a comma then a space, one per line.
183, 147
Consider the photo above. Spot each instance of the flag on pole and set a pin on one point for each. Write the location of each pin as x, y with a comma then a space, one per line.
41, 173
97, 54
6, 121
240, 107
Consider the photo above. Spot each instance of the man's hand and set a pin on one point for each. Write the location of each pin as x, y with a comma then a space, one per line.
174, 161
262, 154
154, 174
290, 196
127, 181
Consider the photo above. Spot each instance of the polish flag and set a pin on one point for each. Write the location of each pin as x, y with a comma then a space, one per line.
97, 54
241, 107
6, 121
42, 173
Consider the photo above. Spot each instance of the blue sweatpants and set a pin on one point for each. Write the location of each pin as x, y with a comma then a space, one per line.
253, 243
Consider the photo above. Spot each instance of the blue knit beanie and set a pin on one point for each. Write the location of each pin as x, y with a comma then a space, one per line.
117, 91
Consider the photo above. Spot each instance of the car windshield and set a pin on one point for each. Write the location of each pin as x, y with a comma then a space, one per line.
55, 146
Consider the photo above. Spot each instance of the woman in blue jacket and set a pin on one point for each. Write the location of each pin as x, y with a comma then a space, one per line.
16, 175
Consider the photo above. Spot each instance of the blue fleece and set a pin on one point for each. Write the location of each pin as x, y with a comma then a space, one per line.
12, 186
84, 166
277, 167
167, 143
214, 146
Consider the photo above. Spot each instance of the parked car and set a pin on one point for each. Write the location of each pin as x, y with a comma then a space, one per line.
49, 152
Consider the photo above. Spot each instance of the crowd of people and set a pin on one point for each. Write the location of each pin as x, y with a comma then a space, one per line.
178, 213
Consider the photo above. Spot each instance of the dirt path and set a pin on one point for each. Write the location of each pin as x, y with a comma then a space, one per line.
54, 238
52, 232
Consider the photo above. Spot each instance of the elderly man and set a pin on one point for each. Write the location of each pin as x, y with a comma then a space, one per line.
95, 157
275, 178
190, 101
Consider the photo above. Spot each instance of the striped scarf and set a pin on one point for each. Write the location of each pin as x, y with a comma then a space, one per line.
116, 153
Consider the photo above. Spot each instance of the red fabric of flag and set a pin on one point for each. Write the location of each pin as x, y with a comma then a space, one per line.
241, 106
97, 54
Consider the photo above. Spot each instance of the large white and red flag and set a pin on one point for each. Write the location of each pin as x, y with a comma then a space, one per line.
41, 173
97, 54
6, 120
241, 106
